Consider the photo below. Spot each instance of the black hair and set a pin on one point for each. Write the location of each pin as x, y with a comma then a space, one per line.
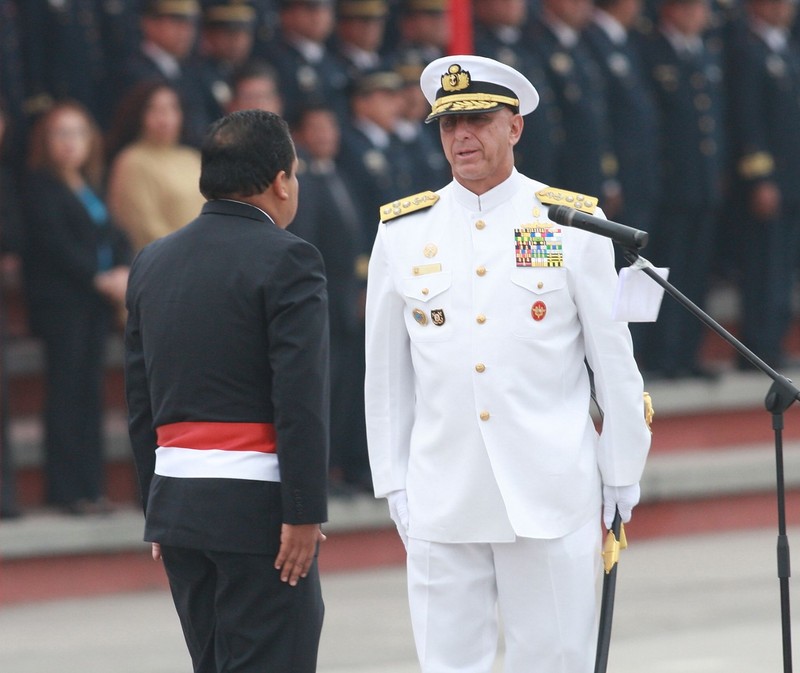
243, 152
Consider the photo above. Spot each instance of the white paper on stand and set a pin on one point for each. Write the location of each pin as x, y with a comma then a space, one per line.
638, 297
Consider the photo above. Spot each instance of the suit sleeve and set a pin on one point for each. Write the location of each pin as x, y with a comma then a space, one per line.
625, 438
137, 394
389, 386
297, 309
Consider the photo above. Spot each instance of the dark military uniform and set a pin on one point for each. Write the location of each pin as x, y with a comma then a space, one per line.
354, 60
633, 119
216, 74
328, 217
12, 83
307, 73
765, 116
585, 160
381, 172
72, 48
150, 62
689, 94
536, 154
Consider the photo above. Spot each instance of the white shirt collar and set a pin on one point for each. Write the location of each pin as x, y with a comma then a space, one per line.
568, 37
774, 37
497, 196
682, 43
313, 52
166, 62
610, 26
252, 206
377, 136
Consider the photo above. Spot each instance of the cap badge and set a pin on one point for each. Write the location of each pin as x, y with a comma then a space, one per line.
538, 311
455, 79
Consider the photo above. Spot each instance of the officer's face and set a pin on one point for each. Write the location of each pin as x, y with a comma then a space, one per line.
778, 13
175, 35
480, 147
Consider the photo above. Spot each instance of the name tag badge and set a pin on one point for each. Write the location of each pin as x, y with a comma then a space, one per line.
425, 269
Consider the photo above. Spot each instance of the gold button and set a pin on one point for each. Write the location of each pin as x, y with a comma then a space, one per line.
480, 368
425, 290
485, 415
481, 318
540, 285
480, 224
481, 270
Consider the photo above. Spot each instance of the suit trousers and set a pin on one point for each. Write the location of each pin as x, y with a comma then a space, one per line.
545, 592
238, 617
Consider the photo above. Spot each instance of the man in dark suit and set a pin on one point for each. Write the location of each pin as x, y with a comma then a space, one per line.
227, 388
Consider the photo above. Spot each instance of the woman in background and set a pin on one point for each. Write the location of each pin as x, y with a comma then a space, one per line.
153, 185
75, 272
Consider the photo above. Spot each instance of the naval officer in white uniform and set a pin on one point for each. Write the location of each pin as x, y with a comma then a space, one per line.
481, 318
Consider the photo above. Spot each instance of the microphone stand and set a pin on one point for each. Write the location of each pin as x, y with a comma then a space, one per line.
780, 397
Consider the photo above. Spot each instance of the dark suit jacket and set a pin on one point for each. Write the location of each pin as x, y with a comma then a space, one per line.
228, 322
60, 248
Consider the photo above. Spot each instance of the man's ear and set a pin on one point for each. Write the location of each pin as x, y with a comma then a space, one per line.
279, 185
517, 124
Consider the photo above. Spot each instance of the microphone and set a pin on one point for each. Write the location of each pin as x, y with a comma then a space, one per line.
627, 237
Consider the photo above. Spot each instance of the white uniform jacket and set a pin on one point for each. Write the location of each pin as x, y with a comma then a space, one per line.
477, 394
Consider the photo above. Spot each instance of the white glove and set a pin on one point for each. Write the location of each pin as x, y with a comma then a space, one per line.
398, 510
624, 498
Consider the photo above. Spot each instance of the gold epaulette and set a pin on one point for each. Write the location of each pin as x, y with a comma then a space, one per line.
551, 196
407, 205
756, 165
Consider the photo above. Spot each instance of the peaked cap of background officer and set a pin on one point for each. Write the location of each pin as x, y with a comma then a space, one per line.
182, 9
474, 84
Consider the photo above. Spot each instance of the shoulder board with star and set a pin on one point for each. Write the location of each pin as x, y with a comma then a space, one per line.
407, 205
550, 196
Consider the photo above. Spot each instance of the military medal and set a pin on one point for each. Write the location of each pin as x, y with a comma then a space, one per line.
419, 316
538, 246
437, 316
538, 310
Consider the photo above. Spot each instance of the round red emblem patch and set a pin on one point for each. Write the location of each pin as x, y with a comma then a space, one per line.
538, 311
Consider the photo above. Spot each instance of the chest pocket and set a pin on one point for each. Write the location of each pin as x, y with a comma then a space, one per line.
428, 303
541, 302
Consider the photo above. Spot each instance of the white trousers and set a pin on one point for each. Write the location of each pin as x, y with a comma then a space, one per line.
545, 592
